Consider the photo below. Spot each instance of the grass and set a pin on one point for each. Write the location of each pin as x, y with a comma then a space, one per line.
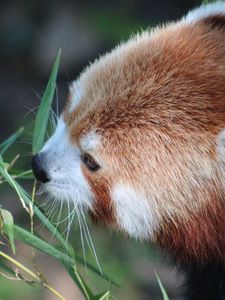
63, 251
41, 121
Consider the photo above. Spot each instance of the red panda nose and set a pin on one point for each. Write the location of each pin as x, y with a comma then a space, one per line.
37, 164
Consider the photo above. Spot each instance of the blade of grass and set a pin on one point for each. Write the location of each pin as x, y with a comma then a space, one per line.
7, 223
42, 118
164, 293
28, 238
104, 296
31, 274
6, 268
96, 271
36, 242
10, 140
23, 174
80, 282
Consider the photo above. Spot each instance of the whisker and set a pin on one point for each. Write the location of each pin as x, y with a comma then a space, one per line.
58, 221
30, 111
51, 206
81, 236
27, 154
92, 248
81, 227
72, 208
57, 101
36, 93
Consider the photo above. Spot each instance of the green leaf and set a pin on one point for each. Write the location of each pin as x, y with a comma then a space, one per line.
5, 267
23, 174
96, 271
8, 228
10, 140
42, 118
104, 296
69, 263
165, 296
36, 242
80, 282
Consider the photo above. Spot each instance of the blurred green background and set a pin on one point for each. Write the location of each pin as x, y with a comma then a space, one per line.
31, 32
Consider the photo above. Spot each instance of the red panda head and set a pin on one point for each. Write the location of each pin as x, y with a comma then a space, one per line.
140, 143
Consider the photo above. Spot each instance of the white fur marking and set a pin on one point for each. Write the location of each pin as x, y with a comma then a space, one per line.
77, 93
57, 137
221, 154
90, 141
134, 213
205, 11
62, 161
221, 144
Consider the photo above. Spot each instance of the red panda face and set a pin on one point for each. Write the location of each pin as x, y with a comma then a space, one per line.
140, 142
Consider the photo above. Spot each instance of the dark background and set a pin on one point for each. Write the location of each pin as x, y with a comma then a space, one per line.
31, 32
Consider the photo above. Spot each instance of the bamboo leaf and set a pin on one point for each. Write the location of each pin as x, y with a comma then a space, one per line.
164, 293
7, 268
8, 228
104, 296
36, 242
23, 174
41, 121
80, 282
69, 263
9, 141
96, 271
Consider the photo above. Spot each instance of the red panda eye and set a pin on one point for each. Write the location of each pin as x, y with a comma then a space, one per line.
90, 163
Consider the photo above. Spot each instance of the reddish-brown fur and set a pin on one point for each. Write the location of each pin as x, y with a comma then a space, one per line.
158, 105
103, 208
199, 238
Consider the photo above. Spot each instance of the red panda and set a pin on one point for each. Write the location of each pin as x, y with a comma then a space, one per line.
141, 144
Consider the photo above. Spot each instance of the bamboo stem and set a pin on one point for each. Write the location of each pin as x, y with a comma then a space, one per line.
31, 274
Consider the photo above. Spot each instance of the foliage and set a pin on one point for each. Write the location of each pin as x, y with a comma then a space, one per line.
164, 293
62, 251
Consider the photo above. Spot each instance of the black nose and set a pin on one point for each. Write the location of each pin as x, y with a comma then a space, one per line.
37, 164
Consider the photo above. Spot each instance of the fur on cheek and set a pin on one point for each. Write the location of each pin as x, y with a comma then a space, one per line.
200, 237
102, 210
